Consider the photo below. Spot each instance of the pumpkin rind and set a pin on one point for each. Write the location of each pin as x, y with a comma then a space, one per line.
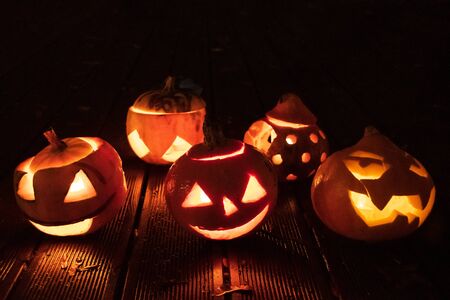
290, 138
51, 183
223, 174
374, 169
163, 124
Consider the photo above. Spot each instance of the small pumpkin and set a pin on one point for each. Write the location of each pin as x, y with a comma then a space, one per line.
372, 190
163, 124
221, 192
289, 136
73, 186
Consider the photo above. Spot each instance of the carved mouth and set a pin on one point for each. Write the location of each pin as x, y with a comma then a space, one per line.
65, 230
228, 234
409, 206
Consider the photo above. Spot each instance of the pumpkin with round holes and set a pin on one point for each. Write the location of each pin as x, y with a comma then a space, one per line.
73, 186
372, 190
223, 192
289, 136
163, 124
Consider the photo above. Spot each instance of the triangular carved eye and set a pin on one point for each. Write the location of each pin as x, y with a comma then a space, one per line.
80, 189
254, 191
25, 189
196, 198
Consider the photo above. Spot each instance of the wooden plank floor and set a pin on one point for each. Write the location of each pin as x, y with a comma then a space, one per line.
78, 66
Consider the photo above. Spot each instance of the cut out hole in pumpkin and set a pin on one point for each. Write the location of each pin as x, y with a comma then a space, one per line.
196, 198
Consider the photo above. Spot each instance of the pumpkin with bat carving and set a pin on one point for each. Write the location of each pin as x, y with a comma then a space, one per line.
223, 192
289, 136
163, 124
73, 186
372, 190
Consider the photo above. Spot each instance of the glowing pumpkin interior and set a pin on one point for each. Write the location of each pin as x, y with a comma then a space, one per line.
409, 206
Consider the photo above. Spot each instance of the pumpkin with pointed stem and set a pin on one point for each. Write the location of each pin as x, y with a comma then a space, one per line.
221, 192
372, 190
290, 138
73, 186
163, 124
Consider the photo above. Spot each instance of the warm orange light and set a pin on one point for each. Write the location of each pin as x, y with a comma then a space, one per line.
406, 205
91, 142
254, 191
66, 230
196, 198
371, 171
229, 207
291, 177
323, 156
137, 144
314, 138
419, 169
291, 139
148, 112
224, 156
228, 234
25, 189
178, 148
282, 123
277, 159
306, 157
80, 189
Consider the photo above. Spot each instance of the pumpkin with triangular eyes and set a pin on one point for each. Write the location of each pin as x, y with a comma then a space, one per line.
372, 190
221, 193
73, 186
290, 138
163, 124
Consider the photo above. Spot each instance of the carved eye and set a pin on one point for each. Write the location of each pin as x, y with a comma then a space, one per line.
417, 168
374, 170
137, 144
178, 148
25, 188
254, 191
196, 198
80, 189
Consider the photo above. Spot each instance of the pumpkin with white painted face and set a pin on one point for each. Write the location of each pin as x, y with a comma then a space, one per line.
221, 193
372, 190
73, 186
163, 124
290, 138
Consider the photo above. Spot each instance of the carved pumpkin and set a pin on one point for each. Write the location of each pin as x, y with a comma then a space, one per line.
72, 187
163, 124
372, 190
289, 136
221, 193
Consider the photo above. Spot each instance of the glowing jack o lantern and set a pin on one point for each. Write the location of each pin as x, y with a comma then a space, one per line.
372, 190
73, 186
221, 193
289, 136
163, 124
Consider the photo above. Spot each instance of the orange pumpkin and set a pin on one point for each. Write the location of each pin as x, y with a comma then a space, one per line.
73, 186
163, 124
223, 192
290, 138
372, 190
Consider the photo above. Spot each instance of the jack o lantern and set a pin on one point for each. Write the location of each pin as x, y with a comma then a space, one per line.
372, 190
223, 192
290, 138
71, 187
163, 124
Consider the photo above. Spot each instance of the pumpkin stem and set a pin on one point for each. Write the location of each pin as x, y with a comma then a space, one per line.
54, 141
370, 130
169, 85
213, 133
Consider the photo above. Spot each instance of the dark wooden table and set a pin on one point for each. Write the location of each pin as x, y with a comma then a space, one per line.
78, 65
